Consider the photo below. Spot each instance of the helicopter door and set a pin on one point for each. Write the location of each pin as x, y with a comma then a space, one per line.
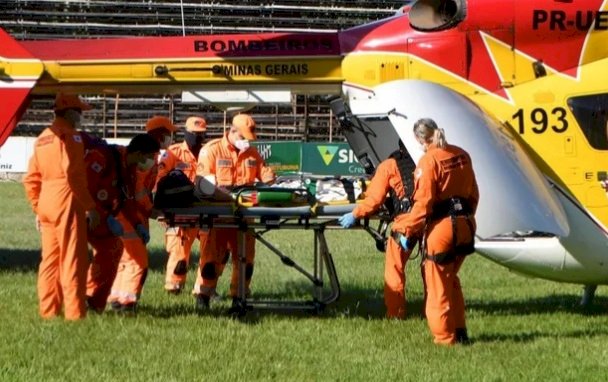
371, 137
591, 114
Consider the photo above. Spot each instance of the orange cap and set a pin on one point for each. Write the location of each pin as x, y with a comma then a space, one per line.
70, 101
246, 126
196, 124
159, 122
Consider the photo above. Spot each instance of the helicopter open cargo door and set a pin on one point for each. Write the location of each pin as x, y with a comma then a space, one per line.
371, 137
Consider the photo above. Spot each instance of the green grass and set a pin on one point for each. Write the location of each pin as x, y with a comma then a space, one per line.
523, 329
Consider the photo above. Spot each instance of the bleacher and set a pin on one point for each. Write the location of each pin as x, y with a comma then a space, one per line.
307, 118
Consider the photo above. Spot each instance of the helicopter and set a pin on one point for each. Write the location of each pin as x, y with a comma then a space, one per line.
520, 85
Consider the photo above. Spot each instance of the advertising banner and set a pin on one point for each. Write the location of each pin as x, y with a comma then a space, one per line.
15, 154
281, 156
330, 159
316, 158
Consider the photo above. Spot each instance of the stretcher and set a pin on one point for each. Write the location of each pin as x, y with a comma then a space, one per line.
260, 219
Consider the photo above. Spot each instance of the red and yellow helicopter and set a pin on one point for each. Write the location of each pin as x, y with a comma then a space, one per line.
520, 84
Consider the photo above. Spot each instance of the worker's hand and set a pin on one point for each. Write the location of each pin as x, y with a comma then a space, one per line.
92, 219
347, 220
143, 233
115, 226
38, 224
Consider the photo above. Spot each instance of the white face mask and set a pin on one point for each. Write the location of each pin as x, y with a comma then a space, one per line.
73, 117
146, 165
242, 144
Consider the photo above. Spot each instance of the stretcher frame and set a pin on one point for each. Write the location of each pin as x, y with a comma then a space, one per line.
258, 221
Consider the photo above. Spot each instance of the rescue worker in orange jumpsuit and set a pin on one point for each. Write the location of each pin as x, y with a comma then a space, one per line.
389, 180
133, 267
110, 172
445, 200
56, 186
182, 156
229, 162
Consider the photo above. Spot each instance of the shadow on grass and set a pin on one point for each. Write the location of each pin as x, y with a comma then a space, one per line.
294, 301
561, 303
535, 335
28, 260
365, 303
157, 259
183, 308
354, 301
369, 303
19, 260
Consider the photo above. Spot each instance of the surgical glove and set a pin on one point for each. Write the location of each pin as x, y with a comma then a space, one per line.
347, 220
115, 226
404, 243
143, 233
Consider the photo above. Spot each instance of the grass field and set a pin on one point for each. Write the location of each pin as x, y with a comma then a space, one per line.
523, 329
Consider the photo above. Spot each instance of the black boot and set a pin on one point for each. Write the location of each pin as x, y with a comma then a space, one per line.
202, 302
238, 308
462, 337
91, 306
235, 307
129, 309
116, 306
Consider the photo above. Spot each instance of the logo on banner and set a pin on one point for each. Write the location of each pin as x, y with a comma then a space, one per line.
265, 151
327, 153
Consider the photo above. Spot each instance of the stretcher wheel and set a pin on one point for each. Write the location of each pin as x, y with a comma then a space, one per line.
317, 308
238, 309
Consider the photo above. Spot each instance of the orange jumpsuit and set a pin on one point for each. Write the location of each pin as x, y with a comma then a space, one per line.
56, 186
442, 174
133, 265
106, 175
178, 241
386, 177
229, 167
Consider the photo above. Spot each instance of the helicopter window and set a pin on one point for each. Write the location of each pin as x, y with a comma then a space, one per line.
591, 113
435, 15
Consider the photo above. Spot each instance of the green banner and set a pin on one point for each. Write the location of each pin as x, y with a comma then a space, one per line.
315, 158
330, 159
281, 156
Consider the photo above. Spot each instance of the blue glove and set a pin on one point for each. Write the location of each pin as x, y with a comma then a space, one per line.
404, 243
347, 220
115, 226
143, 233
